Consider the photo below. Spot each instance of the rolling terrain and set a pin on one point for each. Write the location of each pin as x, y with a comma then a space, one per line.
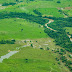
39, 31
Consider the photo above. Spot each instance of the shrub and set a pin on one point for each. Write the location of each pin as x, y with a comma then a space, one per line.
59, 63
47, 48
61, 53
25, 41
37, 12
7, 42
30, 41
70, 56
41, 48
31, 45
6, 4
57, 59
58, 2
63, 58
36, 41
13, 40
62, 50
70, 68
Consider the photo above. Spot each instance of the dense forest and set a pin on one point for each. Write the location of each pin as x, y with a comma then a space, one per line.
33, 18
60, 34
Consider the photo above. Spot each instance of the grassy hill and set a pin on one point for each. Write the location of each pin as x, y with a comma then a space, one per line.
26, 22
17, 28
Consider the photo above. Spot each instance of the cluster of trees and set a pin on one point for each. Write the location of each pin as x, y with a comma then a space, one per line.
61, 39
60, 34
60, 24
6, 4
7, 42
68, 63
37, 12
58, 2
31, 17
69, 19
62, 52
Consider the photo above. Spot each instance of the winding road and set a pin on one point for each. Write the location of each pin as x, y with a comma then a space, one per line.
50, 21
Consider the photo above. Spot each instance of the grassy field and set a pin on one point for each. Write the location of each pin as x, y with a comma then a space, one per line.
45, 7
4, 48
31, 59
37, 60
50, 4
39, 44
50, 12
11, 29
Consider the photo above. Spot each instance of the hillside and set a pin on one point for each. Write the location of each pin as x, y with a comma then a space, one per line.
35, 35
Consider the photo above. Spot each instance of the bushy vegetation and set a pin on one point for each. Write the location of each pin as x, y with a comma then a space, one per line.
37, 12
17, 28
58, 2
24, 16
7, 42
60, 35
68, 63
6, 4
25, 19
29, 59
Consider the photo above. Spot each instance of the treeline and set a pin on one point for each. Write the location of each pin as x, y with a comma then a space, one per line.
31, 17
62, 58
7, 42
60, 18
6, 4
68, 63
60, 24
37, 12
60, 34
61, 38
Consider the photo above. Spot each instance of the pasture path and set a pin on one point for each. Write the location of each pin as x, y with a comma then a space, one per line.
63, 13
10, 54
50, 21
7, 55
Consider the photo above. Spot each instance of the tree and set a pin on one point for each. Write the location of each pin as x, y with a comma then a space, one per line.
17, 0
47, 48
31, 45
41, 48
63, 58
57, 59
59, 63
58, 2
71, 35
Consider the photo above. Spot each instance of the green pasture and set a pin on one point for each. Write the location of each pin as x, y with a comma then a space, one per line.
69, 12
45, 7
5, 47
31, 60
49, 4
50, 12
15, 28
